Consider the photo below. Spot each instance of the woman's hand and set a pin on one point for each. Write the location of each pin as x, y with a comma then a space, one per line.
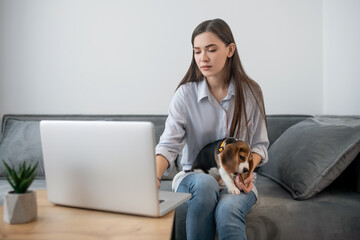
249, 180
247, 187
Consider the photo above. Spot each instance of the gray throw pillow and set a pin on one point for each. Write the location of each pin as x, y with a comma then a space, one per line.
308, 156
21, 142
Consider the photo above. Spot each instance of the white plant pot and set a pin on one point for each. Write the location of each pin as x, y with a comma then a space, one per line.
20, 207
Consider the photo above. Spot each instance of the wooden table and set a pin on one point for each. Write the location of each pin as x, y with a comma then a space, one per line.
58, 222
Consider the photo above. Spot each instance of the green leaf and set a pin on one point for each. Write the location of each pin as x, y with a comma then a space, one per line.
25, 184
29, 167
11, 172
7, 167
21, 172
21, 180
31, 170
10, 181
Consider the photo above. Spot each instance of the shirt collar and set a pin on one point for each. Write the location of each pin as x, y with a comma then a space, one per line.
203, 90
231, 91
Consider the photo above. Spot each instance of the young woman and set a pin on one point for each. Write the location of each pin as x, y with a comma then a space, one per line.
215, 99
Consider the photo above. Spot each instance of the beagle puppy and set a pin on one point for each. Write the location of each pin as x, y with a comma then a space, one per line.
224, 160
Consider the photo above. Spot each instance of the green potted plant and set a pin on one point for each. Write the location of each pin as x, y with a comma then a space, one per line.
20, 204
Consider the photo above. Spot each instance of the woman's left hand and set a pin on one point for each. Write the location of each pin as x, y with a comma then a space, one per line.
247, 187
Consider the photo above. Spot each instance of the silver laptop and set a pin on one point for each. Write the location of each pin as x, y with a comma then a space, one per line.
104, 165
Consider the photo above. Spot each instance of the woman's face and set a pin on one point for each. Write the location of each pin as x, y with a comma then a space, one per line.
210, 54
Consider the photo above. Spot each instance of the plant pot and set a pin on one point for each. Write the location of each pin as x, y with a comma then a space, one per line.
20, 207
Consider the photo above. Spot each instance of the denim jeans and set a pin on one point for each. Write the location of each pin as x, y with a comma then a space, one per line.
210, 210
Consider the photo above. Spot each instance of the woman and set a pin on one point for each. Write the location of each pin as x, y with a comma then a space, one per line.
215, 99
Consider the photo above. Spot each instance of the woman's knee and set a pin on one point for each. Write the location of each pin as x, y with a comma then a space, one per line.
205, 188
233, 206
205, 182
228, 207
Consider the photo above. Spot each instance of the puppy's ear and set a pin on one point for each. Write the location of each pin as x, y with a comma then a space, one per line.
227, 158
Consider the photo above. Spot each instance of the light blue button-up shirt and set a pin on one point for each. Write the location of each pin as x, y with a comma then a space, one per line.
196, 118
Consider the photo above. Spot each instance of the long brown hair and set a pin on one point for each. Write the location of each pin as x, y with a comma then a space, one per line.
234, 70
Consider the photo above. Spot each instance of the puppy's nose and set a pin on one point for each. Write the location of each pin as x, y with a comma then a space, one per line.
245, 170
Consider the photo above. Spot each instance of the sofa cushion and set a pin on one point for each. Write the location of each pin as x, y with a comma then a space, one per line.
21, 142
308, 156
277, 124
332, 214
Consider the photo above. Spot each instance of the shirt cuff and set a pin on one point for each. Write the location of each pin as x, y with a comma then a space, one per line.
262, 152
169, 157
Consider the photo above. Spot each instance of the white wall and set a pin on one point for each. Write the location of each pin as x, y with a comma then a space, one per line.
127, 57
342, 57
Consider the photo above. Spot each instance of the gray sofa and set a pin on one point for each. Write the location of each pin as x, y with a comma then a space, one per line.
310, 189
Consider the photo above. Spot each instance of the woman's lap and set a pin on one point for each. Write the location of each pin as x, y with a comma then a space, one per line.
209, 208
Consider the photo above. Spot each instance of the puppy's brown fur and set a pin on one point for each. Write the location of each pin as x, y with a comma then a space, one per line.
233, 155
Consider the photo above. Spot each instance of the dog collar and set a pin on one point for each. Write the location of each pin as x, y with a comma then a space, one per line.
227, 141
222, 146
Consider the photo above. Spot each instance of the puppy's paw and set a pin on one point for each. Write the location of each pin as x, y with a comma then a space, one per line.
233, 190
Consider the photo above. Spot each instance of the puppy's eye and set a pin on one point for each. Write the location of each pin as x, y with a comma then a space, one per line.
242, 157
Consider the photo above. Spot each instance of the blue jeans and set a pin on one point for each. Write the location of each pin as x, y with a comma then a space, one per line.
208, 210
